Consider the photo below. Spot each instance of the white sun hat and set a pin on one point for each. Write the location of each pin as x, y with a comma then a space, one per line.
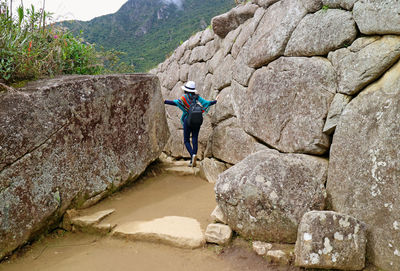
190, 86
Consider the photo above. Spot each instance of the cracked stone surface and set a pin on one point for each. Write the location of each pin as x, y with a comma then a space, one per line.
67, 140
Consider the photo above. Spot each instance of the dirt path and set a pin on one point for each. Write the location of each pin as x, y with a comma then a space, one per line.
148, 199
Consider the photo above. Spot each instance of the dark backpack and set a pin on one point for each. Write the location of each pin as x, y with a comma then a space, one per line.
195, 114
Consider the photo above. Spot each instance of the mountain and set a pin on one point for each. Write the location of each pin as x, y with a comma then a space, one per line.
148, 30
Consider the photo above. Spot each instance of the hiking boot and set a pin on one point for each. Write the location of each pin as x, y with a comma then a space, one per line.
194, 158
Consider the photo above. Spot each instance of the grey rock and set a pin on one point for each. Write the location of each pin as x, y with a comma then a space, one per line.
198, 73
171, 75
194, 40
215, 61
69, 139
186, 57
273, 32
312, 5
223, 108
218, 233
338, 104
261, 248
331, 240
229, 21
208, 35
210, 169
248, 29
265, 3
265, 196
184, 72
218, 216
210, 49
364, 167
377, 17
223, 73
241, 72
322, 32
287, 102
359, 65
180, 51
229, 40
345, 4
231, 144
198, 54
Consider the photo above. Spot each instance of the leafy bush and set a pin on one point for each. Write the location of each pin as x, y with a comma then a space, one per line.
29, 49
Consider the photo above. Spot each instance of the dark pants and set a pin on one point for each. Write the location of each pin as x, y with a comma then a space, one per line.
187, 131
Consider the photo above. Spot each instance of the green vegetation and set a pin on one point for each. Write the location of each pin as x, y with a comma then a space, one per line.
29, 49
147, 30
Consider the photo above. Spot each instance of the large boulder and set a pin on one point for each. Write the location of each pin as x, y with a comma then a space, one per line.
364, 61
265, 196
231, 144
273, 32
331, 240
229, 21
69, 139
377, 17
287, 102
322, 32
364, 168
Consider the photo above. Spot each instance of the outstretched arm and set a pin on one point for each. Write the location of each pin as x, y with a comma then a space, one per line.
170, 102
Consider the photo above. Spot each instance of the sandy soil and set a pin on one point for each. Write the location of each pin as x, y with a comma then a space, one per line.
145, 200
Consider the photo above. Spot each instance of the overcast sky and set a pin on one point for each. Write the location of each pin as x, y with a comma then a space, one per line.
75, 9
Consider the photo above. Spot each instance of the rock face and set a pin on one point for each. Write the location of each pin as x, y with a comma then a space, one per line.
377, 17
364, 168
284, 78
269, 190
364, 61
332, 29
66, 140
286, 103
331, 240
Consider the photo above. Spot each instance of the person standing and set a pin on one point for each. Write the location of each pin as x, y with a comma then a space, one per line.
184, 103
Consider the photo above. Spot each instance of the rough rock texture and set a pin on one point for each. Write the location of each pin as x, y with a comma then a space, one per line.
218, 216
273, 32
364, 168
176, 231
218, 233
377, 17
364, 61
229, 21
330, 29
336, 108
231, 144
89, 220
261, 248
346, 4
269, 190
287, 102
331, 240
210, 169
69, 139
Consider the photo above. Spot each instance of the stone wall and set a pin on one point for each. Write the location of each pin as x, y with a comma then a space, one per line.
70, 141
314, 77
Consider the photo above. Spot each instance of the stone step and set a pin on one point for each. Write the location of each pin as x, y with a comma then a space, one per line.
176, 231
90, 220
182, 170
